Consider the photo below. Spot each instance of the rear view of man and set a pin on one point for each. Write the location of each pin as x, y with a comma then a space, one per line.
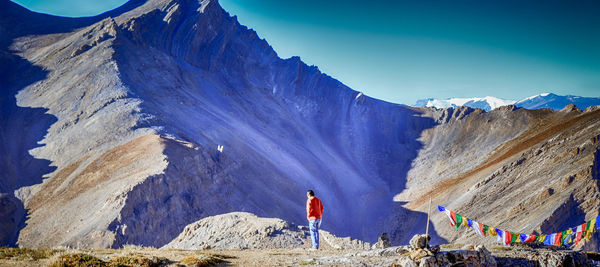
314, 213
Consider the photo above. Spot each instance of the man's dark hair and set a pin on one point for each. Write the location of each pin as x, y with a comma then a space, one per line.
310, 192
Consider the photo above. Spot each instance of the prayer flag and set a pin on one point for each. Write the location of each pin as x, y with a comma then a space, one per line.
507, 238
590, 229
557, 238
579, 234
478, 228
565, 235
568, 239
530, 238
466, 222
492, 231
458, 220
541, 238
550, 239
516, 238
500, 236
440, 208
523, 237
451, 216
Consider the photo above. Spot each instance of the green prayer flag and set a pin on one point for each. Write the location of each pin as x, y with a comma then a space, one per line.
516, 237
458, 220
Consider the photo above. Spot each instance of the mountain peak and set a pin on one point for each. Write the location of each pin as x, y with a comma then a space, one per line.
486, 103
543, 100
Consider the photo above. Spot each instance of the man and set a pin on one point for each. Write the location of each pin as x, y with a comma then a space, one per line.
314, 213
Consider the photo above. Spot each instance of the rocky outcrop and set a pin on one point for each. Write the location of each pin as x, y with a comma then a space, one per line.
383, 241
241, 230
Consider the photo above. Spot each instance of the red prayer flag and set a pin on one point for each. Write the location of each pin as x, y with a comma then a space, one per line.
558, 239
530, 238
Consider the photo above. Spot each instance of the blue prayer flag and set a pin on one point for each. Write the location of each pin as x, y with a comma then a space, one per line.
523, 237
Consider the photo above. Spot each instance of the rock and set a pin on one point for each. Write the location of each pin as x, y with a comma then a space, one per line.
419, 241
383, 242
571, 108
428, 262
468, 247
482, 249
407, 262
419, 253
592, 108
242, 230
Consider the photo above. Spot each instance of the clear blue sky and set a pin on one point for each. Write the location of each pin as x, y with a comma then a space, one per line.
401, 51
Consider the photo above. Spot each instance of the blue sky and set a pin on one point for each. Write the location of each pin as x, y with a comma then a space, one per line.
401, 51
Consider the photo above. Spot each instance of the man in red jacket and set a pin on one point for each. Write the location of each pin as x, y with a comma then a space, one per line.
314, 213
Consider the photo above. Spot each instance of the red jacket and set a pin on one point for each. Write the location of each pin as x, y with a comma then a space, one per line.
314, 208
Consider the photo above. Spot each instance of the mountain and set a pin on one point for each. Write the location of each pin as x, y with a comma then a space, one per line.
130, 110
486, 103
557, 102
545, 100
127, 127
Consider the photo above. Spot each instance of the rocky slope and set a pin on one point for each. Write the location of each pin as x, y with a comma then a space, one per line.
542, 179
110, 126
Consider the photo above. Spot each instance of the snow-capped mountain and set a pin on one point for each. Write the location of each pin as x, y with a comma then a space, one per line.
556, 102
486, 103
545, 100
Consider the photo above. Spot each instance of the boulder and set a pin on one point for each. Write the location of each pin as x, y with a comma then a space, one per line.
419, 241
383, 242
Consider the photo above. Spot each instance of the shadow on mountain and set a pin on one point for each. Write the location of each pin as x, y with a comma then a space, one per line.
569, 214
21, 129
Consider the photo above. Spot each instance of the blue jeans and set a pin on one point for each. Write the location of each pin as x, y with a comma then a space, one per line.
314, 226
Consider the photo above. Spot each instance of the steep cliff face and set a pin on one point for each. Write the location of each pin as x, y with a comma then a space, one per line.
111, 125
285, 127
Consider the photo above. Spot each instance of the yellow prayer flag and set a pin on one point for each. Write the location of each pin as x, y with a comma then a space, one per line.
541, 238
465, 222
492, 231
589, 233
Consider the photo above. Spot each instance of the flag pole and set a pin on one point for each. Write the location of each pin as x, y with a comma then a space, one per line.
427, 229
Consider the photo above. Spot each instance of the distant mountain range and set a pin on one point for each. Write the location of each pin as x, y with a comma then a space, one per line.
545, 100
